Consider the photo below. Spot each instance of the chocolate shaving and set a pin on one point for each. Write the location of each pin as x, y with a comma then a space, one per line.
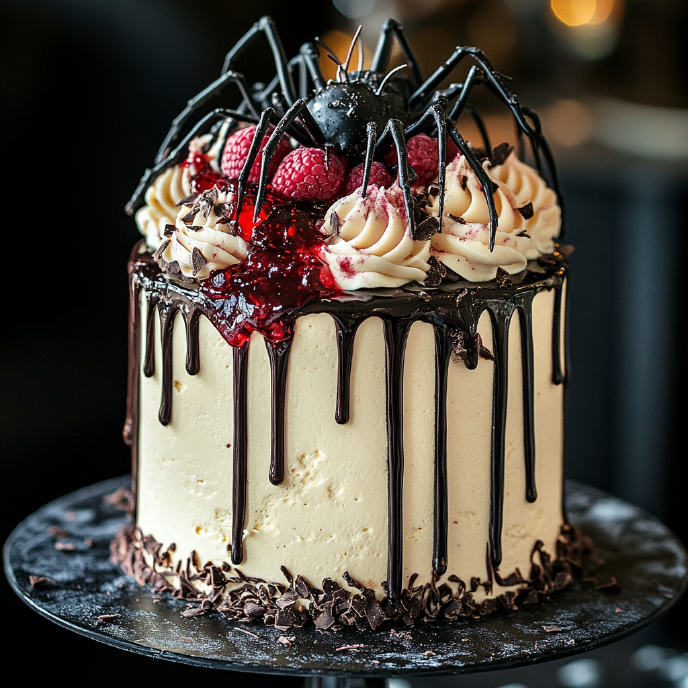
611, 586
335, 223
527, 211
426, 229
523, 233
41, 582
551, 629
240, 598
108, 617
503, 279
169, 230
121, 499
195, 228
435, 274
463, 181
287, 642
197, 260
500, 153
433, 190
58, 533
460, 220
186, 219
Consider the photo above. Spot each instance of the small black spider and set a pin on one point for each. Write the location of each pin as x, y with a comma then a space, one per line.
347, 114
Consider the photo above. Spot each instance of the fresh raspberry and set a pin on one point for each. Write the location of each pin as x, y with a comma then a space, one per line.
236, 152
422, 157
378, 177
308, 174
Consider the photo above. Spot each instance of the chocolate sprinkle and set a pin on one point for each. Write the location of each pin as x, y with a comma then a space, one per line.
435, 274
503, 279
427, 229
41, 582
527, 211
335, 223
197, 260
500, 153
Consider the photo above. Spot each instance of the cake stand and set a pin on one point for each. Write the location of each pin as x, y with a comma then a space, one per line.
89, 595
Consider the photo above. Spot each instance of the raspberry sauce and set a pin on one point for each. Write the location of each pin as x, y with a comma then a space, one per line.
282, 272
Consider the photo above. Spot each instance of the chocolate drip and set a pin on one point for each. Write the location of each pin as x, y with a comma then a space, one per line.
396, 334
168, 313
440, 521
500, 314
525, 310
193, 358
557, 372
345, 329
240, 456
131, 424
149, 360
279, 362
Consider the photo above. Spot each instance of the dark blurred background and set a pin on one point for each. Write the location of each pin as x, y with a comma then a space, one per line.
88, 90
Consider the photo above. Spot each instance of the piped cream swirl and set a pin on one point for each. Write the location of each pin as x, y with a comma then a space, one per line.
372, 246
168, 190
529, 187
163, 197
464, 243
202, 241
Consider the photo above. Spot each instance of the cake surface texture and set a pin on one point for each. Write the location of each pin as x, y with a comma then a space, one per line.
347, 353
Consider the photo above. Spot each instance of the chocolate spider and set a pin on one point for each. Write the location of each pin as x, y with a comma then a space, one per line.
347, 114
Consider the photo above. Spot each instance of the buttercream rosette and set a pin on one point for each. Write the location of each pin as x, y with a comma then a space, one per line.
165, 194
370, 244
203, 239
463, 244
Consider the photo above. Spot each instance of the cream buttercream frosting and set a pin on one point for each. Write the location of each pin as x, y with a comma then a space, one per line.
528, 220
529, 187
165, 194
463, 245
202, 240
371, 245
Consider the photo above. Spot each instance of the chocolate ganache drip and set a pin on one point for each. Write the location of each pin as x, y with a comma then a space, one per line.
453, 310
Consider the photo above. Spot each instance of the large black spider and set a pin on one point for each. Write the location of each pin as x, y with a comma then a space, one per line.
346, 114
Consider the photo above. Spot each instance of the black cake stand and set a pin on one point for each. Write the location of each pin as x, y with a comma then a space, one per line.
91, 596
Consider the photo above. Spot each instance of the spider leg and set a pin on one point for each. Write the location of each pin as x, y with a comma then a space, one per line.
549, 159
391, 29
151, 174
311, 58
266, 26
395, 128
473, 112
370, 151
201, 99
268, 115
298, 109
483, 178
436, 112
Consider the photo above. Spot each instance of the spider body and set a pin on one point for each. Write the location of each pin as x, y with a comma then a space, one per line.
358, 115
344, 110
